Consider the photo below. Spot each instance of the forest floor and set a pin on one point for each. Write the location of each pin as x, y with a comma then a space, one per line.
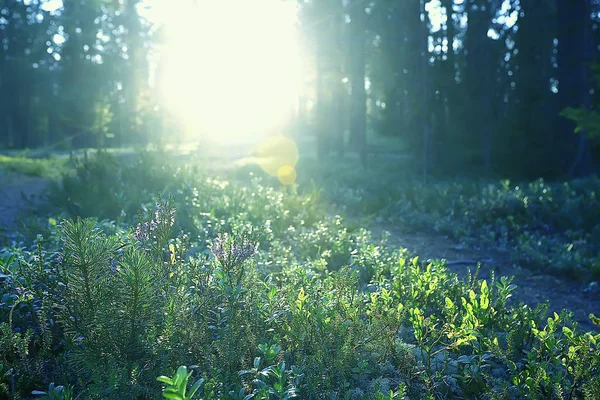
21, 194
533, 287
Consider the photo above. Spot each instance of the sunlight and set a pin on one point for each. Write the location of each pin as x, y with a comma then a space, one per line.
230, 76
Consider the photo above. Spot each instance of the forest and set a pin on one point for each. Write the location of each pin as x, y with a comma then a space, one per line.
312, 199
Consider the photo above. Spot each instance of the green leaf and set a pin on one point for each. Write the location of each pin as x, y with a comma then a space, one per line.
172, 396
592, 338
484, 300
195, 387
10, 260
472, 296
165, 379
529, 381
568, 332
180, 376
464, 359
484, 287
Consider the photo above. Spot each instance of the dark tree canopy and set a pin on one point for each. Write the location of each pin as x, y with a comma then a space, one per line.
475, 84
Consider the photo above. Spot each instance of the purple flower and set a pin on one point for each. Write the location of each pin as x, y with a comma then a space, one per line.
142, 232
23, 292
232, 253
163, 215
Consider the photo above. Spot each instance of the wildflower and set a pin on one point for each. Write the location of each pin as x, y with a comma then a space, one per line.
142, 232
232, 253
113, 265
23, 293
163, 215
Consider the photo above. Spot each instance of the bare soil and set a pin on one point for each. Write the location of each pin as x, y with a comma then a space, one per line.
533, 287
20, 195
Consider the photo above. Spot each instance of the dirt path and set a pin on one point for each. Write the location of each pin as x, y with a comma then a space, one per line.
533, 287
19, 195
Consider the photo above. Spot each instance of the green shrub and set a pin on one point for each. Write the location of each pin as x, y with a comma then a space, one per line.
267, 297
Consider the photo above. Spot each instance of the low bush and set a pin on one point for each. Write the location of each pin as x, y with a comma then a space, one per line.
263, 295
550, 226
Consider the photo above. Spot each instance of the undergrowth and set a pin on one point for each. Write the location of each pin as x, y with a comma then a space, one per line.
550, 226
226, 289
38, 167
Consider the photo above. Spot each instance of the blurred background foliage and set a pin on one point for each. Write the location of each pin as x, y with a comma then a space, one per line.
454, 84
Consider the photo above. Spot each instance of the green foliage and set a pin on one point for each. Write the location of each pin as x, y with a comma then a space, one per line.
588, 121
271, 298
39, 167
549, 226
272, 382
177, 386
546, 226
101, 186
55, 393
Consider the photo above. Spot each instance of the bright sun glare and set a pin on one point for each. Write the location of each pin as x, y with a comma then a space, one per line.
230, 69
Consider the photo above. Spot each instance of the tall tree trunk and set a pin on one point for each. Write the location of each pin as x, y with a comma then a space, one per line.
322, 103
480, 74
427, 97
447, 101
394, 114
533, 99
136, 71
574, 39
339, 93
358, 107
450, 31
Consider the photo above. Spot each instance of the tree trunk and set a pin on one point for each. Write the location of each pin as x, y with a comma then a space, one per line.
394, 120
574, 42
322, 104
358, 100
480, 75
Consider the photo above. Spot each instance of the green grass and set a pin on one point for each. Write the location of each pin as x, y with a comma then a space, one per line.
37, 167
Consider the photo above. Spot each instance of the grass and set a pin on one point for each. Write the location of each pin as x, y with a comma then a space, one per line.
38, 167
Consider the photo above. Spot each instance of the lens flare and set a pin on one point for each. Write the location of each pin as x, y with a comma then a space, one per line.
286, 175
232, 75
